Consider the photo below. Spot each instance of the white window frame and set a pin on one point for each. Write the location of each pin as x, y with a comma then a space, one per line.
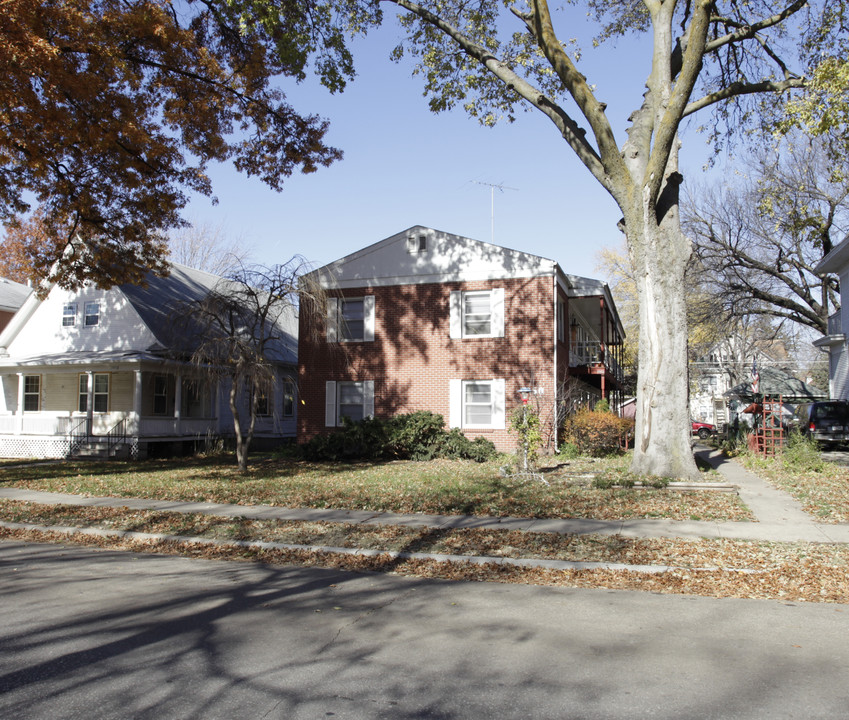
335, 321
417, 244
90, 319
331, 393
457, 414
95, 393
561, 320
32, 393
69, 314
458, 328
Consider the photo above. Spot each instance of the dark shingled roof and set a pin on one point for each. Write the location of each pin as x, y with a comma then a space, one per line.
774, 383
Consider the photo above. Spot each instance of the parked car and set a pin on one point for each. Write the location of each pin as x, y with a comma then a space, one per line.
703, 430
827, 422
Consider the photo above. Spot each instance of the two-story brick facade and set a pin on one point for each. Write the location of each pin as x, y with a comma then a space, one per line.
426, 320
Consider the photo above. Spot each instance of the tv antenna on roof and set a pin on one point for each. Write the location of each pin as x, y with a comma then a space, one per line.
492, 187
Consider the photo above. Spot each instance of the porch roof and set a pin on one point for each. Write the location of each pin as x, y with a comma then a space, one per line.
132, 357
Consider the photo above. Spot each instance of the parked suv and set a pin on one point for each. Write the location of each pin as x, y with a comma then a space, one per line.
826, 422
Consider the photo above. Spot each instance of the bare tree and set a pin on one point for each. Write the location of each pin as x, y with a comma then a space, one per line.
758, 239
206, 247
246, 332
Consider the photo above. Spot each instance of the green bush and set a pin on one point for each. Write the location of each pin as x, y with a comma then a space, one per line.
801, 453
415, 436
598, 433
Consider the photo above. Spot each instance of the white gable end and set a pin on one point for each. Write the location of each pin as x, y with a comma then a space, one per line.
424, 255
119, 327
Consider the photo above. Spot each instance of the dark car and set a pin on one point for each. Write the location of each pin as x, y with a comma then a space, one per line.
703, 430
827, 422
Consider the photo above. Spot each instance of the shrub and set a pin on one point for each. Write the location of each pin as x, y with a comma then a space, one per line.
802, 453
525, 422
598, 433
417, 436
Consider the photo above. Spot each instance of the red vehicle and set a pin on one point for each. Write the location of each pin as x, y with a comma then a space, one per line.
703, 430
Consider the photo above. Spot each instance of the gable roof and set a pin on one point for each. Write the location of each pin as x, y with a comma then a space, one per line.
446, 257
12, 295
836, 260
161, 305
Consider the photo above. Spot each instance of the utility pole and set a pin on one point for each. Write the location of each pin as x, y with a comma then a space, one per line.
492, 187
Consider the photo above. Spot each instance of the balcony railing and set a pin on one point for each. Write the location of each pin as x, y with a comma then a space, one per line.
835, 327
591, 353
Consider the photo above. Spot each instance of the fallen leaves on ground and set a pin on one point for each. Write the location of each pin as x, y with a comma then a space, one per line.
443, 487
719, 568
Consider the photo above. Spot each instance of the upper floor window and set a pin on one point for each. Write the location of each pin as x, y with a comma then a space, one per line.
417, 244
350, 319
561, 320
477, 313
69, 314
92, 313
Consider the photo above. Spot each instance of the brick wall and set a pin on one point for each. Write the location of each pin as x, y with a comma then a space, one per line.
412, 358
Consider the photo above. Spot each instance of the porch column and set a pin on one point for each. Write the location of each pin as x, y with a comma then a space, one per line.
137, 405
178, 403
218, 405
19, 423
89, 405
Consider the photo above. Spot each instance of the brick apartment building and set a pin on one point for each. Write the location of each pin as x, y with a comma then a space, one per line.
426, 320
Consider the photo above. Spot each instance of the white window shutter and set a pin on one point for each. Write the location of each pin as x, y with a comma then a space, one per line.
455, 403
332, 319
497, 309
330, 403
368, 318
499, 414
456, 306
368, 398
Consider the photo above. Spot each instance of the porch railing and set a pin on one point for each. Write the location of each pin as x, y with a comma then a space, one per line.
78, 434
590, 352
835, 326
117, 435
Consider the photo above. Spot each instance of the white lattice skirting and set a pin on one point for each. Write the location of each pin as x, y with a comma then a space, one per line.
31, 447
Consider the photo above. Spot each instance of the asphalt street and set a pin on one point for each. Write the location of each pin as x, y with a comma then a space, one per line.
87, 633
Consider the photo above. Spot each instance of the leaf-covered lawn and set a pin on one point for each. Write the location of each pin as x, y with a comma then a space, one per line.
720, 568
434, 487
823, 493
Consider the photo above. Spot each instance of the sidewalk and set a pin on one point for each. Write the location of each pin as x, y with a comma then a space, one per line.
780, 517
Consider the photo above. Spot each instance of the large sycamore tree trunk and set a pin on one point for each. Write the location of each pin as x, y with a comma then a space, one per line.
659, 255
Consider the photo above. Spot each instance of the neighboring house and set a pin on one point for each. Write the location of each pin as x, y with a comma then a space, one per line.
110, 369
834, 342
12, 296
426, 320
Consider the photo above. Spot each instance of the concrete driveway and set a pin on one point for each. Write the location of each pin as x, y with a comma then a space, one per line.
88, 634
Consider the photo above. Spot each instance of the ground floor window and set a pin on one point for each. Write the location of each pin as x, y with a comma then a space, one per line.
288, 399
195, 399
32, 393
348, 399
160, 395
477, 403
100, 395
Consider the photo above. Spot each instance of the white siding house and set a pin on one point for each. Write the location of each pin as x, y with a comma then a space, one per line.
834, 342
110, 368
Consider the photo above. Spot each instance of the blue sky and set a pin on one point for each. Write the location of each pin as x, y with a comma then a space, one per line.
405, 166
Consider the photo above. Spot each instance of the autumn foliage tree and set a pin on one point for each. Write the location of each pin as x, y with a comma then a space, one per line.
112, 110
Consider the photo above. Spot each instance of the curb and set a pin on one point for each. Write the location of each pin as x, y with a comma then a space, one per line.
365, 552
